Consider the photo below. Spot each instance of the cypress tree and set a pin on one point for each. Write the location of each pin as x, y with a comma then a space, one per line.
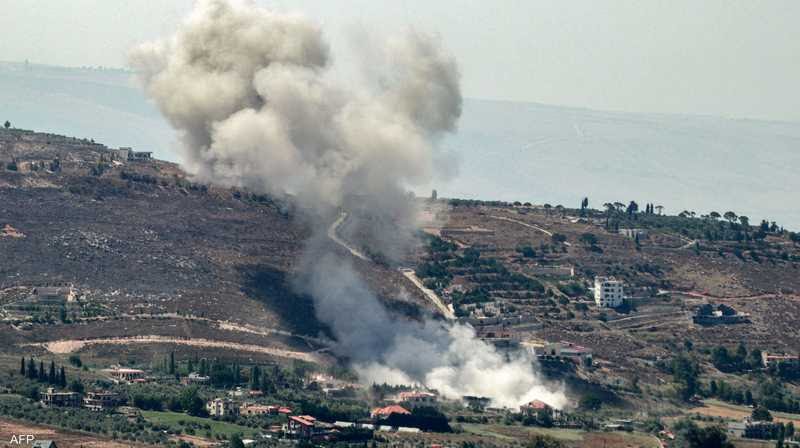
171, 363
62, 378
42, 374
31, 369
22, 367
51, 378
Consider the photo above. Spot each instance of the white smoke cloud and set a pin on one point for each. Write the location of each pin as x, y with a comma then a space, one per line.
251, 93
441, 355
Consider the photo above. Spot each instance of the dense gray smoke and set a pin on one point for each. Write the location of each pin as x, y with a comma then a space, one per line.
252, 94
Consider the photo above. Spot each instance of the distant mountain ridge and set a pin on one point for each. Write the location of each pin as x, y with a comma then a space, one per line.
504, 150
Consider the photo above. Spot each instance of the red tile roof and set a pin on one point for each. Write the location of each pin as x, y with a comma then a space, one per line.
305, 420
537, 404
389, 410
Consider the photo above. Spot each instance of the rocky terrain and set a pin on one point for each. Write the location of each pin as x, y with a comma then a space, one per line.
149, 253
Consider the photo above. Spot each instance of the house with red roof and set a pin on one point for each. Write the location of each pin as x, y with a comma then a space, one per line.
385, 412
534, 407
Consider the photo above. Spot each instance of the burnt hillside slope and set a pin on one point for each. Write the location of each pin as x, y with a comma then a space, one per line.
136, 239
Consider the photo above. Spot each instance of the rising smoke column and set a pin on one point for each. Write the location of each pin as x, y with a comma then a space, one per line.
251, 93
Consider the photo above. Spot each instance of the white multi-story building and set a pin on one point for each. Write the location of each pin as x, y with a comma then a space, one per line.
608, 292
221, 407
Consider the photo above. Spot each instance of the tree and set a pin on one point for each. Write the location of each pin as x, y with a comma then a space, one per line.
584, 203
7, 124
32, 369
745, 221
730, 217
633, 207
685, 372
236, 441
589, 239
171, 363
76, 386
62, 378
761, 414
22, 367
191, 402
51, 377
689, 435
714, 215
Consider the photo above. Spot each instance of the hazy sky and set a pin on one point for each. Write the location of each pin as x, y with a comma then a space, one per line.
731, 58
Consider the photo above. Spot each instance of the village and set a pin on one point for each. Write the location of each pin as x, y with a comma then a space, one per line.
646, 320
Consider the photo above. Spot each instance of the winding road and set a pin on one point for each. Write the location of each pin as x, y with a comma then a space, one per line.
523, 223
333, 234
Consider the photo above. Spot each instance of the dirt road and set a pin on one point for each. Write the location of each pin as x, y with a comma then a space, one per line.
64, 346
432, 296
334, 235
408, 273
525, 224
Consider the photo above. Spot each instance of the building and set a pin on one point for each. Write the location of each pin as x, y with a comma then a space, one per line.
565, 351
773, 359
708, 314
129, 375
140, 155
54, 295
101, 401
619, 425
257, 409
633, 233
416, 399
608, 292
307, 427
533, 408
52, 398
195, 378
123, 153
477, 404
385, 412
222, 407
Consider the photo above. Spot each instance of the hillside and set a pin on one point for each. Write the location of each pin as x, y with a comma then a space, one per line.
124, 261
148, 253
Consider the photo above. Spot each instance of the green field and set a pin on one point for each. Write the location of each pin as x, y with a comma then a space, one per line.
173, 419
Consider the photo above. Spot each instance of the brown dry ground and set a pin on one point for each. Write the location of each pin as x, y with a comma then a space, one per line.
629, 348
64, 439
141, 238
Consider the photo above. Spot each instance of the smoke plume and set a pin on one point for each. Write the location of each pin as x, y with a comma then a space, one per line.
252, 95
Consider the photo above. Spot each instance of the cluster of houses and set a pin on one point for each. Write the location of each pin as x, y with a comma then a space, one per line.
95, 400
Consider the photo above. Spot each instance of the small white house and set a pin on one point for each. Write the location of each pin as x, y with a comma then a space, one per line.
608, 292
